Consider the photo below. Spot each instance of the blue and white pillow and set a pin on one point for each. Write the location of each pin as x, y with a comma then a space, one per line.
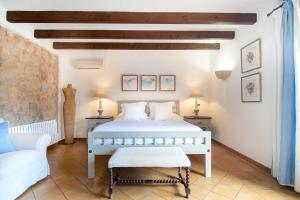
5, 143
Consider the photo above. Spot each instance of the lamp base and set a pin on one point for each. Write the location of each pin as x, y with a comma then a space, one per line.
100, 112
196, 112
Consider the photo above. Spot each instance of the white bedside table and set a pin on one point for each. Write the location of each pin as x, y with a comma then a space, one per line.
95, 121
204, 122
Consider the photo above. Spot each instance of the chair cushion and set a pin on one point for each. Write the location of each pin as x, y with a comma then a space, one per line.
149, 157
5, 143
15, 161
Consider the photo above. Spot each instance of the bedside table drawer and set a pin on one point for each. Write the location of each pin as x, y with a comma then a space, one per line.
202, 122
199, 122
96, 122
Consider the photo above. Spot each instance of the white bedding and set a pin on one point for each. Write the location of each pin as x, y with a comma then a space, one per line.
119, 125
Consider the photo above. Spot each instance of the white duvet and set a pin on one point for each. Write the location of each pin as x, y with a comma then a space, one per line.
120, 125
146, 125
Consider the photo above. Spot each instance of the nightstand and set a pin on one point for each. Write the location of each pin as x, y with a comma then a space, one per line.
92, 122
203, 122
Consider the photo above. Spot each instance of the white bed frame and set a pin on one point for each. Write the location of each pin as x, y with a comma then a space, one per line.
204, 147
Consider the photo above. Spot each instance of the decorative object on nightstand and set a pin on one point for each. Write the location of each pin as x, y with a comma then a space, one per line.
204, 122
100, 95
196, 95
95, 121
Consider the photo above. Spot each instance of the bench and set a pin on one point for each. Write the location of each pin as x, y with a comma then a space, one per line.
161, 157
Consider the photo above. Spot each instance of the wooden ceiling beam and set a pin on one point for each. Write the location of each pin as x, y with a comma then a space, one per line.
132, 34
136, 46
130, 17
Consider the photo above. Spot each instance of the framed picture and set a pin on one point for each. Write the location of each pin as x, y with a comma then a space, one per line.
251, 87
167, 82
148, 83
251, 56
129, 82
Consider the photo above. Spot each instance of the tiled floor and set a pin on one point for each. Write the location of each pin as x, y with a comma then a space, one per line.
232, 179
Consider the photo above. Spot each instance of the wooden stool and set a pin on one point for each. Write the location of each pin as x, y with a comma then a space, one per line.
164, 157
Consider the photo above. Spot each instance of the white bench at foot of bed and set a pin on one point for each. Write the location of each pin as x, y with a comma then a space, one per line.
191, 142
149, 157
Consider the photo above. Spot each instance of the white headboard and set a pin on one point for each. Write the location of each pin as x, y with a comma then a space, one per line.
175, 107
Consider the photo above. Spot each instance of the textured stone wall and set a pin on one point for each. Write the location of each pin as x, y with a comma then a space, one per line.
28, 80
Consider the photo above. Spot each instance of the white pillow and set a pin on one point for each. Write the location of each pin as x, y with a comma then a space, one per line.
133, 111
161, 111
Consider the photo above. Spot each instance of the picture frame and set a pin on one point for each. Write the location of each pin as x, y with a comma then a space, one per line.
167, 82
251, 88
129, 82
148, 83
251, 58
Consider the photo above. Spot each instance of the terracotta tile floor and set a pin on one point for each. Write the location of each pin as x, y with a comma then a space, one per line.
232, 179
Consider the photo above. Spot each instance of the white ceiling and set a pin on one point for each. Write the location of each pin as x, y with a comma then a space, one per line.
141, 5
241, 6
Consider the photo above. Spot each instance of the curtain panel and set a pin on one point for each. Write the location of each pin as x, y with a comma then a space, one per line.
277, 21
297, 75
286, 175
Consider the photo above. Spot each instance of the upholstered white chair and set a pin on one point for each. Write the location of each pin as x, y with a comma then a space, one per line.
24, 167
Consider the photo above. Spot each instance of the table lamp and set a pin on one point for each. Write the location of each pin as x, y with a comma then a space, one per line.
196, 95
100, 95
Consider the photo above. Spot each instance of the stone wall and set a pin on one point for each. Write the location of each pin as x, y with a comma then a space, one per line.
28, 80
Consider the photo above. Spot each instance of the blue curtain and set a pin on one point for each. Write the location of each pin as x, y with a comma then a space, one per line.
286, 174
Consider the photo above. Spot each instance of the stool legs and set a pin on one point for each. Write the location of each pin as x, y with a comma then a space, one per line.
179, 173
110, 189
187, 184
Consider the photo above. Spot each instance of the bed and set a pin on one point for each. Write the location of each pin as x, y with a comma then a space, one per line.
108, 137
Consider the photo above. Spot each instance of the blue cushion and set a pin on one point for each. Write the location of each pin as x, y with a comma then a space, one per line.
5, 143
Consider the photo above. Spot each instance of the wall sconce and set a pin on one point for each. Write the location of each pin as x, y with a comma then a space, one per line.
223, 74
100, 96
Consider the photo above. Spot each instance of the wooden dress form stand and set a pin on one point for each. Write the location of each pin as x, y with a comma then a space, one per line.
69, 110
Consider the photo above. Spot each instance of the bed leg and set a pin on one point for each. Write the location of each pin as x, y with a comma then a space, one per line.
91, 164
207, 161
187, 183
111, 182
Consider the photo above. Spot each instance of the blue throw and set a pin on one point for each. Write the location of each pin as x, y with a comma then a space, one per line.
5, 143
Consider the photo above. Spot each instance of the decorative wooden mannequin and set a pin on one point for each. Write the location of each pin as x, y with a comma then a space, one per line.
69, 109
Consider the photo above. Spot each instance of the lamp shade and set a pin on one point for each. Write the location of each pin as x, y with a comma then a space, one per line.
196, 94
100, 94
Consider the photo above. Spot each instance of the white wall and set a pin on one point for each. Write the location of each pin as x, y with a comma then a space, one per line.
246, 127
192, 69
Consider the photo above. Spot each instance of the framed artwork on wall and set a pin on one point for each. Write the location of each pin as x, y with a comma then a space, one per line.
167, 82
129, 82
251, 88
251, 56
148, 83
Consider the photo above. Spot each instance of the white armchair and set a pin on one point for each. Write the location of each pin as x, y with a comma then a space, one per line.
25, 166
